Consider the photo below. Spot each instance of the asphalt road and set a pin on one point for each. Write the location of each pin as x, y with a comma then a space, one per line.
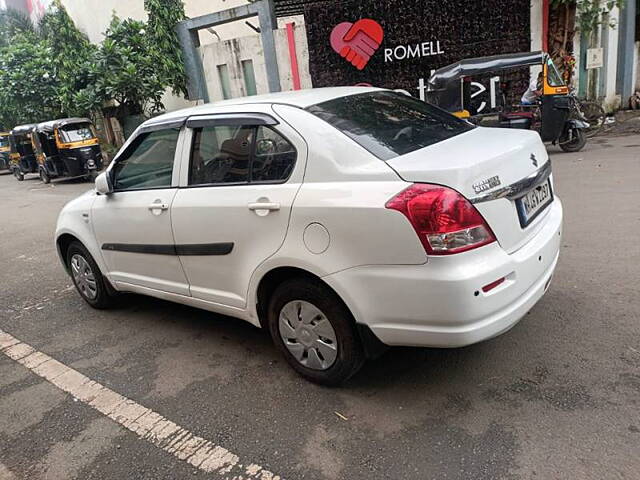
557, 397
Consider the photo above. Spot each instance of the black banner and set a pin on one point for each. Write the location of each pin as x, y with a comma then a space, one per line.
417, 36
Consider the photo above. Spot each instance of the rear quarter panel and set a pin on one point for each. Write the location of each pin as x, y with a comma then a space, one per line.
345, 190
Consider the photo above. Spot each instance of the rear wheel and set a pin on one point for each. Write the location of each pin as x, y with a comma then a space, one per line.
18, 174
315, 331
88, 279
573, 140
44, 176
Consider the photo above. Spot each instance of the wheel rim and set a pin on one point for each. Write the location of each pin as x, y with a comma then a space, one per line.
308, 335
84, 277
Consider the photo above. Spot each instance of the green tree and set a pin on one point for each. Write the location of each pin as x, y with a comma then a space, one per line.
125, 71
73, 55
164, 16
28, 82
12, 23
590, 13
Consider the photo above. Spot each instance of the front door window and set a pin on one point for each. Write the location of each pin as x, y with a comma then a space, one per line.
148, 162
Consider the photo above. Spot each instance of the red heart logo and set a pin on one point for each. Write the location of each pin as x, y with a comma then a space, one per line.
357, 42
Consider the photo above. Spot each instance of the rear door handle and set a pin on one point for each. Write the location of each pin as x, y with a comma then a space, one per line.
272, 207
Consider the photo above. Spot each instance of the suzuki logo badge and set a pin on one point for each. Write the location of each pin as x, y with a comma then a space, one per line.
534, 160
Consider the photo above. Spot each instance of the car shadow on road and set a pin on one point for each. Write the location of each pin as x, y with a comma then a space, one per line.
396, 366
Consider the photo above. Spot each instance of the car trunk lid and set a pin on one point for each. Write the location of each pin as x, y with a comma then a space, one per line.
479, 164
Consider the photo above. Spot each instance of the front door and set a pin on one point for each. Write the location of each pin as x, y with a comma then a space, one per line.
233, 211
133, 224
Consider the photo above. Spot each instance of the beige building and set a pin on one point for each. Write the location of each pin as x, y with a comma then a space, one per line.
232, 53
93, 16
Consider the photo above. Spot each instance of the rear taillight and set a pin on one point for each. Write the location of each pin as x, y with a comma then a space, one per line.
444, 220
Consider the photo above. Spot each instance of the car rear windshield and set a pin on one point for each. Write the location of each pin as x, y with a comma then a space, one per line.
389, 124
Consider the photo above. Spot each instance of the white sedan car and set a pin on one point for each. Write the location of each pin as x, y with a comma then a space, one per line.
341, 220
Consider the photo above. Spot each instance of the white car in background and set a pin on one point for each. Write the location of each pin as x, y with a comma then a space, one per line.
340, 219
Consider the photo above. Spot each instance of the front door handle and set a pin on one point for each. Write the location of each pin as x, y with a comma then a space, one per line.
271, 207
158, 205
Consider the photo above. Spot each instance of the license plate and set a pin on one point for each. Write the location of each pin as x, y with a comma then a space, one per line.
534, 203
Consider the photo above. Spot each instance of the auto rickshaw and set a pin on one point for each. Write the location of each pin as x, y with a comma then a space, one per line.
556, 116
67, 147
22, 158
5, 151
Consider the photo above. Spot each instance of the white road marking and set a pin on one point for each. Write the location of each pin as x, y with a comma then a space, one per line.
142, 421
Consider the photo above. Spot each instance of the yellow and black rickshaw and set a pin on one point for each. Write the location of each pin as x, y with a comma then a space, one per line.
67, 147
5, 151
556, 115
22, 157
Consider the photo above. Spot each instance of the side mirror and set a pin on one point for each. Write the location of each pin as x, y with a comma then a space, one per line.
103, 186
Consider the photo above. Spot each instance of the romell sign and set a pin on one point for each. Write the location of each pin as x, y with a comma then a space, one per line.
397, 44
404, 52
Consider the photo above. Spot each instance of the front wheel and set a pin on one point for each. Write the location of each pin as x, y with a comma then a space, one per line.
18, 174
315, 332
573, 140
88, 279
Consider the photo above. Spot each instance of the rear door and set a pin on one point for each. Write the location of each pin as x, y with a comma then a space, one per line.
232, 210
133, 224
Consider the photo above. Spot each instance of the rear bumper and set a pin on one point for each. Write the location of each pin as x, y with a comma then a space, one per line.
441, 303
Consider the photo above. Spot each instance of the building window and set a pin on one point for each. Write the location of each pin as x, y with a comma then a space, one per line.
249, 77
225, 82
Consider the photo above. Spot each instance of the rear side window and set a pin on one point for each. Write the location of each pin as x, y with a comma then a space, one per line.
148, 162
389, 124
274, 157
224, 155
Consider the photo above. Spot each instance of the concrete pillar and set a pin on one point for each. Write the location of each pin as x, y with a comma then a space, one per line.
636, 67
610, 43
536, 25
537, 30
626, 48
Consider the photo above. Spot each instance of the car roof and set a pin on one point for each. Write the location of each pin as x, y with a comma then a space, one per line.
298, 98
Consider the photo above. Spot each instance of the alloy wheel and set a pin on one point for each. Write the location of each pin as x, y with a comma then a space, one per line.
308, 335
84, 277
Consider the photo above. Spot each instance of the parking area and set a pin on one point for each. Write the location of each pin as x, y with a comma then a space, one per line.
556, 397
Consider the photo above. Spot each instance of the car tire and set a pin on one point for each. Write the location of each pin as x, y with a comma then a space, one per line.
44, 177
315, 331
87, 278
